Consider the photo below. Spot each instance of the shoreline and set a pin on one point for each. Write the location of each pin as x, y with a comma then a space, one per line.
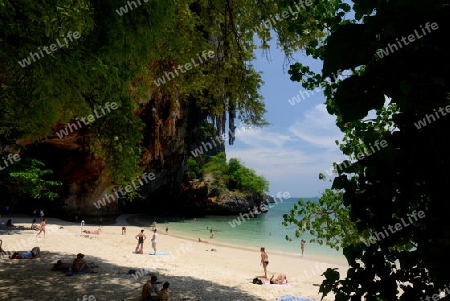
194, 271
131, 220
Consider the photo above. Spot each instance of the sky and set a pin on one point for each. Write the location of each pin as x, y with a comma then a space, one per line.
300, 142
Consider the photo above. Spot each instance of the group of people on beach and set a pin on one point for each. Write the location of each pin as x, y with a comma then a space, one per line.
141, 237
34, 225
281, 278
78, 264
151, 292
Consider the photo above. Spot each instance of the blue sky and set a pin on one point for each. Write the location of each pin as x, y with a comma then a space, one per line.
299, 144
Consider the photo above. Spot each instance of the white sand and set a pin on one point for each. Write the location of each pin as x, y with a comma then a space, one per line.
193, 271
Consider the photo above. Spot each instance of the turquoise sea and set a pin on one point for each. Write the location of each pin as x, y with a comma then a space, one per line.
265, 230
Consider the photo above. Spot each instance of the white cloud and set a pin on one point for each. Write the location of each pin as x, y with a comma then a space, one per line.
293, 159
318, 128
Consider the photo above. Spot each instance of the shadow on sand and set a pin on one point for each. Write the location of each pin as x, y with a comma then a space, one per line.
33, 279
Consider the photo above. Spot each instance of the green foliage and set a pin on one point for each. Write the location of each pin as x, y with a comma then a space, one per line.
117, 58
232, 175
28, 178
217, 164
396, 180
327, 220
193, 169
245, 179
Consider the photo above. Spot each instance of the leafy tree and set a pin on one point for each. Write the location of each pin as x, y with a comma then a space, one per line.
119, 58
193, 169
409, 174
232, 175
328, 220
28, 178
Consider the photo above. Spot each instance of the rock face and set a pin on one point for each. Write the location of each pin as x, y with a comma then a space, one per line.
172, 131
205, 198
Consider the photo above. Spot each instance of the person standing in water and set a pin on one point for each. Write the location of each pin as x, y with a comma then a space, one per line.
264, 260
140, 245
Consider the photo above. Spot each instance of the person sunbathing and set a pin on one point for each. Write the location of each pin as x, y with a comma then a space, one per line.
34, 253
59, 265
91, 232
79, 264
281, 279
164, 294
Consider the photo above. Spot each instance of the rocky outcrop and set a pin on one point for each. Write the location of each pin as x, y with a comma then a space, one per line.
205, 198
172, 130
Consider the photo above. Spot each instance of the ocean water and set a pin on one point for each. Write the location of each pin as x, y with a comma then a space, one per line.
265, 230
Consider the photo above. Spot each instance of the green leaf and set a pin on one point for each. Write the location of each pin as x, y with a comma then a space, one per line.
349, 47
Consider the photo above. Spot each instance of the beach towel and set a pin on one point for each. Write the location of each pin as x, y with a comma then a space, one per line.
9, 231
67, 272
18, 255
292, 298
284, 284
159, 253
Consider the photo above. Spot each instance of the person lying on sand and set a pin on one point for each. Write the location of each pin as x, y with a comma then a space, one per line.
91, 232
34, 253
205, 241
281, 279
257, 280
79, 264
59, 265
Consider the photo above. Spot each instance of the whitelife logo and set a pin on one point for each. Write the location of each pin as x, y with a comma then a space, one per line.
220, 139
270, 22
124, 9
161, 80
411, 38
128, 189
90, 119
27, 61
16, 158
373, 238
359, 156
423, 122
319, 88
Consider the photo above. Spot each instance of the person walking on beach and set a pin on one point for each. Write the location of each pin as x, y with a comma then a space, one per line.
264, 260
42, 213
140, 245
42, 228
167, 229
302, 245
154, 240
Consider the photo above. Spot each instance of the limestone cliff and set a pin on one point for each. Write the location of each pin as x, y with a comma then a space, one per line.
172, 130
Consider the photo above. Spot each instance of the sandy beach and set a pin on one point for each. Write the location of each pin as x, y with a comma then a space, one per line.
192, 269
